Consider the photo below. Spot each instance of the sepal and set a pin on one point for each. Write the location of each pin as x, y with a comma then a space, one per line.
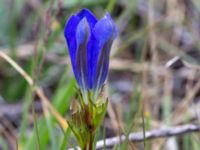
85, 119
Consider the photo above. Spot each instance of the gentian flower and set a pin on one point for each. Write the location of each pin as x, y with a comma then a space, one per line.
89, 42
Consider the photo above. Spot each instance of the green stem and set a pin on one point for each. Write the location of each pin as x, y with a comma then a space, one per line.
91, 141
89, 145
90, 128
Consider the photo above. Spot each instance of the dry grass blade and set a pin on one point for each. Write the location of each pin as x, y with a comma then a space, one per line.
37, 89
17, 67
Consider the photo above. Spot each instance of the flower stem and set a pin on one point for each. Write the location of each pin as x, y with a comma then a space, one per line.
90, 127
89, 145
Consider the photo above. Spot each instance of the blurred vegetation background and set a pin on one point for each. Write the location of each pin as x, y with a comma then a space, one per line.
153, 80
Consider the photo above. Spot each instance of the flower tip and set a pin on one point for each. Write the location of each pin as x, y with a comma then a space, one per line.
89, 16
115, 29
70, 26
82, 31
84, 10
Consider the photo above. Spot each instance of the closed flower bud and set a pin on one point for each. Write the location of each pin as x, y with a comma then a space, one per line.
89, 42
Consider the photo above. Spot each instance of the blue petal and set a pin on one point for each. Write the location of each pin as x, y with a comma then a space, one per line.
104, 29
69, 33
103, 65
91, 19
93, 49
82, 35
82, 31
104, 33
100, 33
89, 16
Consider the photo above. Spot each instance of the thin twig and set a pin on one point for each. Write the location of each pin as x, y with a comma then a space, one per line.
156, 133
152, 134
17, 67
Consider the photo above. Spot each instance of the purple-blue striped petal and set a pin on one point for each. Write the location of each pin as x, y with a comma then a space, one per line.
82, 34
104, 33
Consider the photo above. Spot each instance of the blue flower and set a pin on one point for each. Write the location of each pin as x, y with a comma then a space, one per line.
89, 42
